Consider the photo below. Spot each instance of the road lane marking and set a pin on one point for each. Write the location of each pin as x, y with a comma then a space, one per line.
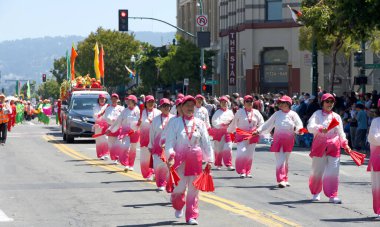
264, 218
4, 217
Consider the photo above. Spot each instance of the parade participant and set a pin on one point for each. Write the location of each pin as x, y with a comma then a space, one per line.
325, 150
100, 126
374, 161
285, 123
29, 111
20, 112
127, 121
156, 143
59, 107
46, 112
222, 139
247, 119
12, 115
201, 112
187, 142
94, 83
4, 111
145, 122
111, 113
173, 110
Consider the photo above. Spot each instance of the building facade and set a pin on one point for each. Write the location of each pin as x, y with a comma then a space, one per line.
257, 44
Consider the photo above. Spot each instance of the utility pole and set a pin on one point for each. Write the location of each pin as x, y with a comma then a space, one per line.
362, 69
202, 49
315, 65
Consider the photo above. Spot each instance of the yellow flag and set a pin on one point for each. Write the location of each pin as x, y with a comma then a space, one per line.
96, 61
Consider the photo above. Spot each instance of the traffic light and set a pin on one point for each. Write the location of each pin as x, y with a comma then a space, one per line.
204, 67
360, 80
123, 20
43, 77
359, 59
204, 87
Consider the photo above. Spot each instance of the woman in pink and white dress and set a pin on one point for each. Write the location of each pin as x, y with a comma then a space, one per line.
111, 113
247, 119
187, 143
325, 150
374, 161
129, 134
156, 143
145, 122
201, 112
285, 123
100, 127
222, 139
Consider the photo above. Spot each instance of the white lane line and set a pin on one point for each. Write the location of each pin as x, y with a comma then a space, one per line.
4, 217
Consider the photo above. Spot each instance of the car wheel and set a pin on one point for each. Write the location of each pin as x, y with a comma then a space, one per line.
69, 139
64, 136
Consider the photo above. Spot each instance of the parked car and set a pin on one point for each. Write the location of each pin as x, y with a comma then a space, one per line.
77, 114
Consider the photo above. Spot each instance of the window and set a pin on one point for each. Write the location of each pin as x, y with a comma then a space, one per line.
274, 10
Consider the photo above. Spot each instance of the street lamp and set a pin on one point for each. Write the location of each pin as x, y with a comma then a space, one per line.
200, 4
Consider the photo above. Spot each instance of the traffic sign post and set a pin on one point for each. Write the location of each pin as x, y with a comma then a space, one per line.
372, 66
211, 82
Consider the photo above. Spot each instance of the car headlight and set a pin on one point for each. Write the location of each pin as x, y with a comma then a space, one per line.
75, 118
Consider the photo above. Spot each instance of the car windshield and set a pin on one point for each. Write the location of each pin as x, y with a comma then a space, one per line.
83, 103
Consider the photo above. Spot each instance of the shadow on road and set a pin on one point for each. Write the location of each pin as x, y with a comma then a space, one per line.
354, 220
269, 187
97, 164
82, 160
106, 171
290, 203
356, 183
124, 181
163, 223
137, 190
51, 128
148, 205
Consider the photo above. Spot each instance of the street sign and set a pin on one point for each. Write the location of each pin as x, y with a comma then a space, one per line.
202, 20
211, 82
372, 66
186, 82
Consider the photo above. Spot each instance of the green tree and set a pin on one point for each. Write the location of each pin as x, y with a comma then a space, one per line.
59, 70
118, 48
49, 89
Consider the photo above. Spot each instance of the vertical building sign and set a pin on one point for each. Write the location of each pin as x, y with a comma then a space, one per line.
232, 59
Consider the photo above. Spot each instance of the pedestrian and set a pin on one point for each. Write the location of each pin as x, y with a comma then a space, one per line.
222, 139
156, 143
325, 150
11, 115
111, 113
173, 110
361, 130
286, 124
201, 112
129, 135
374, 161
100, 126
247, 119
145, 122
4, 118
187, 144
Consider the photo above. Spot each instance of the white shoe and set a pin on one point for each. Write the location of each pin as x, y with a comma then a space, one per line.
192, 222
151, 178
378, 217
287, 184
230, 168
218, 167
161, 189
335, 200
116, 162
249, 176
131, 168
106, 157
102, 158
282, 184
243, 175
178, 213
316, 197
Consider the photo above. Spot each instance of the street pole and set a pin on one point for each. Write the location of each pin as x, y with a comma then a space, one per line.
362, 69
315, 65
202, 50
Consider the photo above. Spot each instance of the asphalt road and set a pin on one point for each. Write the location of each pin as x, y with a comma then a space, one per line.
45, 182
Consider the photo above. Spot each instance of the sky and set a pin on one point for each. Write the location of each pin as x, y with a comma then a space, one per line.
38, 18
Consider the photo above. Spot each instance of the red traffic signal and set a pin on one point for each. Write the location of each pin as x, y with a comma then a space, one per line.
204, 67
204, 87
43, 77
123, 20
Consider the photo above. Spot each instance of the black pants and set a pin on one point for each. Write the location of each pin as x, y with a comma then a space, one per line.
3, 132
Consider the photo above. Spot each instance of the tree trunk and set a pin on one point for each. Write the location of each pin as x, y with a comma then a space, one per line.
336, 47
